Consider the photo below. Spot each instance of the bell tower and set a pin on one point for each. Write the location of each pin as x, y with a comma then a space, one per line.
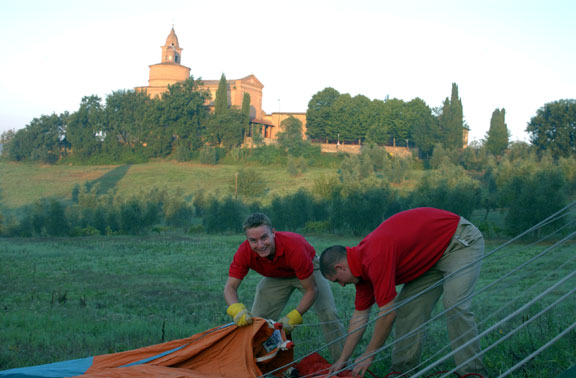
169, 71
171, 50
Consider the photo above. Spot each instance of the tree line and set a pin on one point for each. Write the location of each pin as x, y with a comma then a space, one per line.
335, 117
131, 127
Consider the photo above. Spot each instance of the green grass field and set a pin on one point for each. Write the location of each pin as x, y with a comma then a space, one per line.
22, 184
70, 298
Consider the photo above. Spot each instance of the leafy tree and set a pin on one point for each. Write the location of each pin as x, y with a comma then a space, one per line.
379, 133
553, 128
341, 126
184, 113
489, 191
220, 217
248, 183
221, 101
320, 115
293, 211
132, 217
336, 209
568, 168
400, 169
441, 156
395, 121
226, 129
128, 121
324, 185
375, 158
359, 117
497, 137
424, 131
41, 140
295, 166
56, 224
210, 155
534, 197
291, 139
158, 139
449, 188
86, 129
474, 157
350, 169
257, 137
7, 135
5, 138
363, 210
48, 218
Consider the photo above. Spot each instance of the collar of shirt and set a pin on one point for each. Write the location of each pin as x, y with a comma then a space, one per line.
354, 258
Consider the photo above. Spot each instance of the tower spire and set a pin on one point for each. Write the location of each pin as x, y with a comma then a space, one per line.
171, 51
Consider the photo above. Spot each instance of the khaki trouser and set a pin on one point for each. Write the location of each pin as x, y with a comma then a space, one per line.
272, 294
466, 246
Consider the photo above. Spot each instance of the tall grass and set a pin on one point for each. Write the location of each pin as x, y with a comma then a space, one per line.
70, 298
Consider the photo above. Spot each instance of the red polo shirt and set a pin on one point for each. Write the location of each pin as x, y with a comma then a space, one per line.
400, 250
293, 258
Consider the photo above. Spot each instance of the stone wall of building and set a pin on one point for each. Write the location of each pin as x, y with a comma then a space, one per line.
355, 149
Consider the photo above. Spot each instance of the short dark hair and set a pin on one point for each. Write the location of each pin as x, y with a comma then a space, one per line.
256, 220
330, 257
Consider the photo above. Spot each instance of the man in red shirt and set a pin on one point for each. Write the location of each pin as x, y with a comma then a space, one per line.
287, 262
417, 248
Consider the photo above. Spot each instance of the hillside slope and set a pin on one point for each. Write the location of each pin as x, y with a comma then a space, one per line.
23, 183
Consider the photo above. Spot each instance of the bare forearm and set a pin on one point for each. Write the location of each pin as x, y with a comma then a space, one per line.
231, 291
310, 293
356, 330
230, 296
382, 329
307, 301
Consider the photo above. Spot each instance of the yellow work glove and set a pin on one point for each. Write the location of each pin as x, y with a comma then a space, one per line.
240, 314
293, 318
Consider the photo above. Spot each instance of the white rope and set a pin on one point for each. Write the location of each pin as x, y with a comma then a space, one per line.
495, 314
552, 218
494, 326
538, 351
440, 314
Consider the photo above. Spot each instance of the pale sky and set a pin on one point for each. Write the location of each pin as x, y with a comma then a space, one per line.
517, 55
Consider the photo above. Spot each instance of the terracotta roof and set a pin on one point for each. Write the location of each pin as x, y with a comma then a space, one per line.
261, 121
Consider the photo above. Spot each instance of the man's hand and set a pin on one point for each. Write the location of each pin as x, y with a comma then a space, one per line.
293, 318
337, 366
240, 314
361, 365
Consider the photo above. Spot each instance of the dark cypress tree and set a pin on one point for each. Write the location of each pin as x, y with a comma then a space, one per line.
221, 101
497, 137
452, 121
245, 114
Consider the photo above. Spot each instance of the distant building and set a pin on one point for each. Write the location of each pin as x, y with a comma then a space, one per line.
171, 71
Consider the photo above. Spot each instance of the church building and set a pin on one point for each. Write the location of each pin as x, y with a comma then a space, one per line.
171, 71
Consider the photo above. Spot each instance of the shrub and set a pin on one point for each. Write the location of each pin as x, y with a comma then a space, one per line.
248, 183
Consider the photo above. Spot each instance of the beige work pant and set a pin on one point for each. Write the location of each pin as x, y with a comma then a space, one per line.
466, 246
272, 294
